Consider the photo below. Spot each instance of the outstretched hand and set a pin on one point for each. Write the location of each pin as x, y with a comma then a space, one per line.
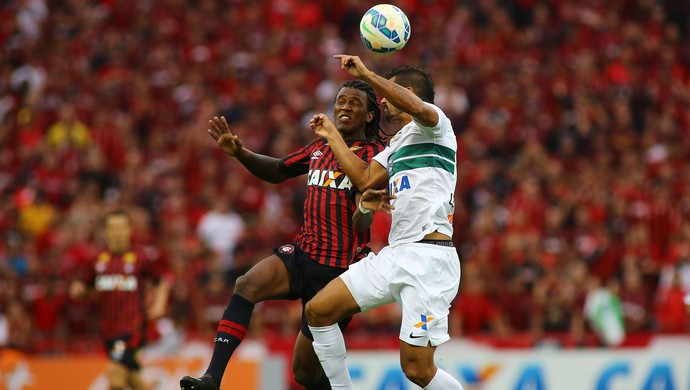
377, 200
322, 126
220, 131
354, 65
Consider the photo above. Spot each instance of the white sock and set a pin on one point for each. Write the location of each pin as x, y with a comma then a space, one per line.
443, 381
329, 346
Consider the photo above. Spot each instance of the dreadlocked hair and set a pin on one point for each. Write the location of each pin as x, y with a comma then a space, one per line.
372, 129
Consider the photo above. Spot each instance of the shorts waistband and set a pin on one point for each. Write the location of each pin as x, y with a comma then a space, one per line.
448, 243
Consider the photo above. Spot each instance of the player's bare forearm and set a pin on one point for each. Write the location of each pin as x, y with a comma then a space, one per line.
362, 221
402, 98
263, 167
356, 169
368, 203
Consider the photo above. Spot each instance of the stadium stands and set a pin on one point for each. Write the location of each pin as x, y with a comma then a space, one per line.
573, 118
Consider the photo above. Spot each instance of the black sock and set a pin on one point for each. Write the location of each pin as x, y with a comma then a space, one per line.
231, 331
322, 384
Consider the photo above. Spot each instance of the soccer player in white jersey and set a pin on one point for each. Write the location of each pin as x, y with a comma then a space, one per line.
419, 268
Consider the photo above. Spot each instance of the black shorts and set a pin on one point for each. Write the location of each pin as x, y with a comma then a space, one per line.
307, 278
120, 350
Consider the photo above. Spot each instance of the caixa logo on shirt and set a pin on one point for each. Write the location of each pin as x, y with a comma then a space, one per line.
400, 184
327, 178
116, 283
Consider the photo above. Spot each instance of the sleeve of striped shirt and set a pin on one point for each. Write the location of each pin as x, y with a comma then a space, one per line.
297, 162
382, 157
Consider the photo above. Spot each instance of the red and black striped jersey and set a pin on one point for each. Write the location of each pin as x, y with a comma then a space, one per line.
328, 234
119, 281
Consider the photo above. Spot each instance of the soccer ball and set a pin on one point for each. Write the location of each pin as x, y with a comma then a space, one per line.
384, 28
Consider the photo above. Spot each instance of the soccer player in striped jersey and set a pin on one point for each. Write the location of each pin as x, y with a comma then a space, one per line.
118, 275
419, 269
327, 243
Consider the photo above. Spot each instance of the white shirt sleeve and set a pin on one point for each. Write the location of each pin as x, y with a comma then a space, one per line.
440, 128
382, 157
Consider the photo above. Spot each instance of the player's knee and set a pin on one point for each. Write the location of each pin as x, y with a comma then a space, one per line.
318, 313
246, 287
310, 311
419, 374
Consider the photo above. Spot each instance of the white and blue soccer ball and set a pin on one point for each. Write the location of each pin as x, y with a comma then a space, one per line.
384, 28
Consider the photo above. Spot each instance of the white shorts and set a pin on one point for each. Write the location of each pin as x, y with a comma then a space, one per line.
422, 278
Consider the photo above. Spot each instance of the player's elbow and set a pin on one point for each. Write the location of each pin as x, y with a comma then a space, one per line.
373, 177
425, 115
365, 182
276, 177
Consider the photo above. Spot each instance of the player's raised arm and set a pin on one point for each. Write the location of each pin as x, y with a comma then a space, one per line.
362, 174
264, 167
401, 97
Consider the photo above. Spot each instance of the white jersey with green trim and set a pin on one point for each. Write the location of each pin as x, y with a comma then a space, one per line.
422, 173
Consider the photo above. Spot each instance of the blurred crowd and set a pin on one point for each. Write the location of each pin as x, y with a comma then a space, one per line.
573, 119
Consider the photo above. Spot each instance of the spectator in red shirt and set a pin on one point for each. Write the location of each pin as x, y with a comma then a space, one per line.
636, 299
48, 313
474, 310
672, 308
594, 113
515, 301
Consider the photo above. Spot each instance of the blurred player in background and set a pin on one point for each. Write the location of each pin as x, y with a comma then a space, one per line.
419, 268
119, 276
328, 242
